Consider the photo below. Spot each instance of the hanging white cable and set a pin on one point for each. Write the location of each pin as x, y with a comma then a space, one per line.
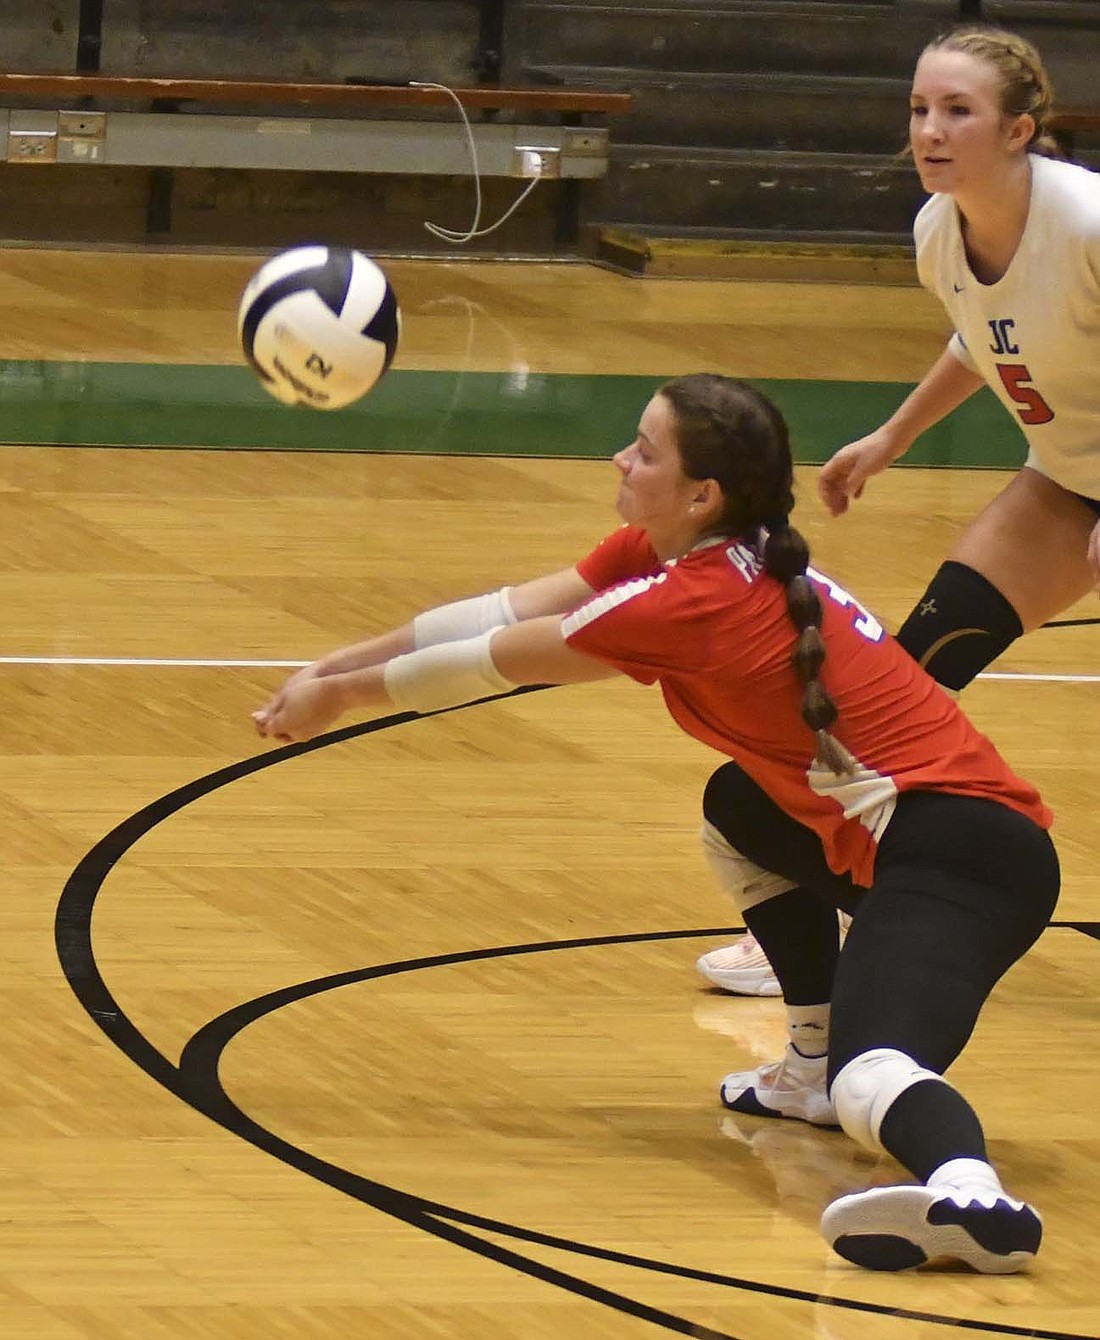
450, 234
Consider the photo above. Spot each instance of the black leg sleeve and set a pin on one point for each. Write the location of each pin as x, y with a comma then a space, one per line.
797, 930
960, 624
930, 1124
799, 933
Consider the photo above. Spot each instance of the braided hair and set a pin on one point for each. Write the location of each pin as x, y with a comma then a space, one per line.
1024, 83
728, 431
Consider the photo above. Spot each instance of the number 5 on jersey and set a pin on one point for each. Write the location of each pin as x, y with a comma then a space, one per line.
1031, 407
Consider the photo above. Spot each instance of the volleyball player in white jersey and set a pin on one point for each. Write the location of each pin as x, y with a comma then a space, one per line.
1010, 244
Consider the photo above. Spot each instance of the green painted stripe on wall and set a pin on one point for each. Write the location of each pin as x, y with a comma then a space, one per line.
446, 413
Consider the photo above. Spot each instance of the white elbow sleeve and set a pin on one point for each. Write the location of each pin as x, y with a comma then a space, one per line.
445, 675
464, 619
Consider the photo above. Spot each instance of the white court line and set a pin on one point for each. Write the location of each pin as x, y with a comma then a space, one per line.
1046, 679
294, 665
148, 660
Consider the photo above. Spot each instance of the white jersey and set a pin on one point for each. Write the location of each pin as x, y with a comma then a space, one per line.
1034, 335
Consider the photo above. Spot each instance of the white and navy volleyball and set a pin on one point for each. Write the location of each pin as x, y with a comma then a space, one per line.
319, 325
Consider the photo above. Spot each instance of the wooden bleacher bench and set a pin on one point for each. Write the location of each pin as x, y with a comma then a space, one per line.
169, 123
1067, 122
349, 96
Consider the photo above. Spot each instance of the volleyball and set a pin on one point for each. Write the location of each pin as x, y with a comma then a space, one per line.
319, 325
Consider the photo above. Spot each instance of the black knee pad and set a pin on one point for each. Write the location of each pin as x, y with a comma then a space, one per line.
960, 624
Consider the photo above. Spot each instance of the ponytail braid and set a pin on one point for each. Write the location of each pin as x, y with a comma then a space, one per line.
786, 557
728, 431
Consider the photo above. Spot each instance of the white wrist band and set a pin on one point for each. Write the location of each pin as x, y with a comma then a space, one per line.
444, 675
463, 618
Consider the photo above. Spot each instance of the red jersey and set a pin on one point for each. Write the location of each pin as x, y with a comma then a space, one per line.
712, 627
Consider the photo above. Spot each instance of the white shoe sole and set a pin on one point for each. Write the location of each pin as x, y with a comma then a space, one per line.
899, 1227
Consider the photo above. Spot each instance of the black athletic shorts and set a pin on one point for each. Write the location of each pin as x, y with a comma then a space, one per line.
963, 887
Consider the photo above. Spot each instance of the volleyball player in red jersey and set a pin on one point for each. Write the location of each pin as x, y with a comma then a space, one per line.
852, 781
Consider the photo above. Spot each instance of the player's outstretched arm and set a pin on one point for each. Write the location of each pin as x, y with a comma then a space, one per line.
553, 593
430, 679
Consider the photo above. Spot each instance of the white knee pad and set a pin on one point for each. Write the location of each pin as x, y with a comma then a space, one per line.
865, 1089
744, 881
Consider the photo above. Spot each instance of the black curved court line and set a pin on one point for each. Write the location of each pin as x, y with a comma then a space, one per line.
1070, 623
196, 1081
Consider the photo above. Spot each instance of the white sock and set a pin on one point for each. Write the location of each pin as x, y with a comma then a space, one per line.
970, 1177
808, 1026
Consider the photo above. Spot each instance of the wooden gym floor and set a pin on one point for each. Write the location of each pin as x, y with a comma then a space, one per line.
399, 1036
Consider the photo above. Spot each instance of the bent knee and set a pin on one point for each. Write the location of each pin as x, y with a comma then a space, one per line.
745, 882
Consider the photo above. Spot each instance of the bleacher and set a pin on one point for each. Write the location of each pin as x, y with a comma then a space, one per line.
198, 131
732, 126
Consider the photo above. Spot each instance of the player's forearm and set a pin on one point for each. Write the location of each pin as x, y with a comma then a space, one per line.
391, 671
374, 651
942, 389
362, 689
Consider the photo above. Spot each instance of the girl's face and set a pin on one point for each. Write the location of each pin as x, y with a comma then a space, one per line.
654, 493
959, 137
